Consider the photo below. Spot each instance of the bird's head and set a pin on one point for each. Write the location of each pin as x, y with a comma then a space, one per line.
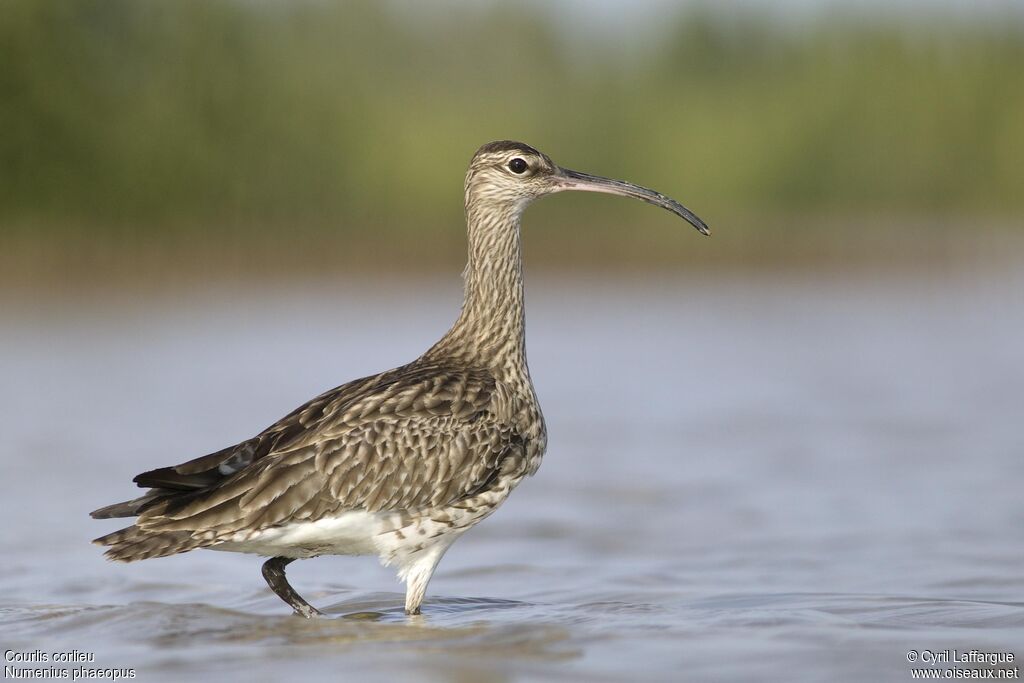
507, 175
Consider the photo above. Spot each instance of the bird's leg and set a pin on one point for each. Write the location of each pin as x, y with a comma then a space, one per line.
273, 572
417, 575
414, 593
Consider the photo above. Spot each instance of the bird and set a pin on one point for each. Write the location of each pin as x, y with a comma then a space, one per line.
398, 464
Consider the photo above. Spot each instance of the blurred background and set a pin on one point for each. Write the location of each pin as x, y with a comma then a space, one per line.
146, 138
794, 446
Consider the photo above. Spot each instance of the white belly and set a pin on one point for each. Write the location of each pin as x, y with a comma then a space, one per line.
350, 533
395, 537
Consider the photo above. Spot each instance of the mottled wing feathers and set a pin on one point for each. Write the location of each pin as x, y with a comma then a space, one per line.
206, 471
383, 466
422, 436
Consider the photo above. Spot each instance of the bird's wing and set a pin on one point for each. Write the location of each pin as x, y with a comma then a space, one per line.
209, 470
418, 437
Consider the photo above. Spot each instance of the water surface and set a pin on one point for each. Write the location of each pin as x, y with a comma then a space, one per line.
781, 477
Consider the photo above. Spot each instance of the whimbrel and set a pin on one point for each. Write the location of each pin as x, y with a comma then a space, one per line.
398, 464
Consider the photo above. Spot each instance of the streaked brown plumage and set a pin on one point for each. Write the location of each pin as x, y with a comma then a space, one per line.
398, 464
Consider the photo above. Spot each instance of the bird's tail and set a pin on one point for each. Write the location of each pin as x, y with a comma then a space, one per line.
132, 543
131, 508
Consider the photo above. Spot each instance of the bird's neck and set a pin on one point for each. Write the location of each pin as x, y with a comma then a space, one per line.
492, 324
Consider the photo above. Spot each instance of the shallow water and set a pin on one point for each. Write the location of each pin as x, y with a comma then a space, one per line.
781, 477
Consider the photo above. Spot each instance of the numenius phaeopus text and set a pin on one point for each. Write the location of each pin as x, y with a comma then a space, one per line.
399, 464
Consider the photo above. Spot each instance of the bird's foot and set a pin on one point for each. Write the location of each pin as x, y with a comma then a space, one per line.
307, 611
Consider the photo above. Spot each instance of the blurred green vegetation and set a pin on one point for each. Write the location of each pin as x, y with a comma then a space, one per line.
133, 123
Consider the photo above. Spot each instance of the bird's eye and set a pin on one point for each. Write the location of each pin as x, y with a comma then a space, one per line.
518, 165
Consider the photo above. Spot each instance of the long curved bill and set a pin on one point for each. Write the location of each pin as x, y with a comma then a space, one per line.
574, 180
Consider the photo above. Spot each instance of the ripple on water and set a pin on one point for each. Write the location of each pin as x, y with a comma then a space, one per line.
510, 634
